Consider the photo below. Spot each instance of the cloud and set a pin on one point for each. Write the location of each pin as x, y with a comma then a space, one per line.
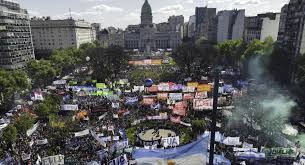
172, 9
106, 8
247, 2
33, 13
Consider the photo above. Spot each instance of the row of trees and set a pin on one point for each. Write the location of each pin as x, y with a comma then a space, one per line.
234, 53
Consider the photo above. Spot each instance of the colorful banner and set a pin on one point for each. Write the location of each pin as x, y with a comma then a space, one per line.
188, 96
180, 108
175, 87
192, 84
153, 89
186, 89
121, 160
156, 62
163, 87
203, 104
175, 119
175, 96
148, 101
131, 100
162, 96
57, 159
204, 88
101, 85
201, 95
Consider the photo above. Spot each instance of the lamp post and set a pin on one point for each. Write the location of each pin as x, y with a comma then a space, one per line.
214, 116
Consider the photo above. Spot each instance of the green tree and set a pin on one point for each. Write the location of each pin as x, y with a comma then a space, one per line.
117, 59
198, 126
208, 53
24, 122
41, 72
231, 51
10, 135
185, 56
42, 110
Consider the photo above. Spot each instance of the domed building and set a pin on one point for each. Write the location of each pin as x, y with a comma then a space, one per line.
146, 37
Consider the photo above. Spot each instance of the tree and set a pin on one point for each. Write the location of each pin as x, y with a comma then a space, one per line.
11, 82
106, 62
208, 53
231, 51
198, 126
42, 110
24, 122
41, 72
185, 56
10, 135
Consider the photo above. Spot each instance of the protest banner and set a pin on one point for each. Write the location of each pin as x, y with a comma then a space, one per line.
279, 152
204, 88
187, 89
188, 96
236, 149
162, 96
102, 116
203, 104
232, 141
69, 107
153, 89
148, 101
170, 102
25, 157
41, 142
170, 141
175, 87
218, 136
101, 85
131, 100
176, 119
121, 160
163, 87
175, 96
192, 84
180, 108
52, 160
59, 82
201, 95
82, 133
156, 62
115, 105
116, 138
30, 131
37, 96
185, 124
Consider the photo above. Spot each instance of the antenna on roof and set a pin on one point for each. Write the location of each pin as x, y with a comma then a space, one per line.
70, 13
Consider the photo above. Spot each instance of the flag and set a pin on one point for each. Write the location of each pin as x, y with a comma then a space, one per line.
195, 153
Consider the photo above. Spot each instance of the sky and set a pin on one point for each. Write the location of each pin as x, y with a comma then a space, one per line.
120, 13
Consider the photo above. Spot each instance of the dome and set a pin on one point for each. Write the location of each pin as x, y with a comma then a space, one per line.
146, 9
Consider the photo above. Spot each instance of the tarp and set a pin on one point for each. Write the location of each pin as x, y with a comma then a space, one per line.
69, 107
191, 154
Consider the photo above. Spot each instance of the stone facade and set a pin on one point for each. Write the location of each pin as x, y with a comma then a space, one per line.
16, 45
148, 36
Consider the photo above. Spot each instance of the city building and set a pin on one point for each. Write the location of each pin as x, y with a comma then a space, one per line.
16, 46
58, 34
230, 25
291, 31
147, 36
191, 26
205, 26
96, 29
261, 26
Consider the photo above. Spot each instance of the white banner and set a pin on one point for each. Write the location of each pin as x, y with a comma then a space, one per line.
69, 107
175, 96
52, 160
115, 105
121, 160
153, 147
187, 89
59, 82
25, 156
185, 124
106, 139
170, 141
201, 95
163, 87
41, 142
37, 96
232, 141
116, 138
138, 89
96, 137
102, 116
82, 133
236, 149
32, 130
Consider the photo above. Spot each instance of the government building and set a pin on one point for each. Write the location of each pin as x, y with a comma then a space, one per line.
147, 36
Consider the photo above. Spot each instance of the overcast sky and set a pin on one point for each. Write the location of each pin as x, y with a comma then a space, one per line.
120, 13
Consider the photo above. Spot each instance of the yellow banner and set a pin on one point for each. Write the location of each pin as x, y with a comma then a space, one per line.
192, 84
204, 88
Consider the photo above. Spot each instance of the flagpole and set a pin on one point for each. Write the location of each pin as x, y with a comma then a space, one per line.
214, 117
